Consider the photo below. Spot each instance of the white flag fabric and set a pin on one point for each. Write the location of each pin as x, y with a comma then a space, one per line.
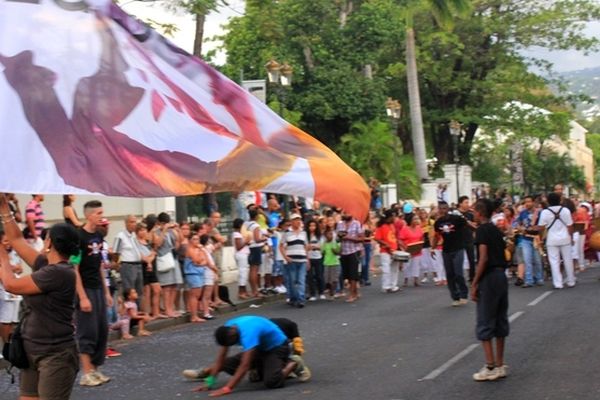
93, 101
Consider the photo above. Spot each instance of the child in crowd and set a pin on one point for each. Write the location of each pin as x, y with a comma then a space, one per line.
279, 262
9, 303
331, 261
490, 290
130, 316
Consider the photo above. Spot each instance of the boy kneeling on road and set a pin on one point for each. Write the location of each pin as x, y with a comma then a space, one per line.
265, 348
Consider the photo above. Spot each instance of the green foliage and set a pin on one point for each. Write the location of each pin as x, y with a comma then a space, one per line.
529, 125
468, 73
542, 171
372, 150
593, 142
166, 29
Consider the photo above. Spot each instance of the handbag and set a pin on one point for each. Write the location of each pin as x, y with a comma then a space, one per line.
165, 263
14, 350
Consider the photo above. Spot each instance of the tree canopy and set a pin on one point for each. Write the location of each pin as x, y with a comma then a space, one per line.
348, 57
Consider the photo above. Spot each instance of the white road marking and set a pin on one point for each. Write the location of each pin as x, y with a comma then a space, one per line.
516, 315
540, 298
438, 371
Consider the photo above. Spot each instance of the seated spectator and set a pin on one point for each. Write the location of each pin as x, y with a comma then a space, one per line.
131, 312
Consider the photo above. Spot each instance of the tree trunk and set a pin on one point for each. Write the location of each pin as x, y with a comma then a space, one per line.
368, 71
414, 98
345, 11
199, 34
308, 57
181, 202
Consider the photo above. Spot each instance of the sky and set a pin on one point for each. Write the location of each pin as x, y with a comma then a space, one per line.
563, 60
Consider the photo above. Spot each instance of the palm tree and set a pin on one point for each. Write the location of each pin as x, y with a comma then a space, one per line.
444, 12
200, 9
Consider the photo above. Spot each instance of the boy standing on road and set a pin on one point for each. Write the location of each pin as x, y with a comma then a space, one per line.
490, 291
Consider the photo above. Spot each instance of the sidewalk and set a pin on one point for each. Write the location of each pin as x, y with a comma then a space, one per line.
159, 324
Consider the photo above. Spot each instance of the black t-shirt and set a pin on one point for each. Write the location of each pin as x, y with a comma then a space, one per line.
468, 231
489, 235
451, 228
90, 245
48, 324
289, 327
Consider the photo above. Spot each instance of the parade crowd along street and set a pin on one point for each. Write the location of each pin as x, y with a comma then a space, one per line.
157, 268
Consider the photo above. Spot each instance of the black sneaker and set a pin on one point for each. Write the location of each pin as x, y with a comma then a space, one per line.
519, 282
300, 305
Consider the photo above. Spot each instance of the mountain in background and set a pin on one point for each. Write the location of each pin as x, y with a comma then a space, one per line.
585, 81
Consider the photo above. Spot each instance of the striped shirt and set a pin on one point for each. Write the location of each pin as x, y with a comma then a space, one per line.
34, 212
295, 245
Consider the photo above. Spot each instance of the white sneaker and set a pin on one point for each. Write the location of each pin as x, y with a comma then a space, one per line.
322, 297
194, 374
502, 371
424, 280
281, 289
89, 379
463, 301
100, 376
486, 374
312, 298
455, 303
302, 372
395, 289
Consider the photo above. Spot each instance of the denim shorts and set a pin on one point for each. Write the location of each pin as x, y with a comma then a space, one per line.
278, 268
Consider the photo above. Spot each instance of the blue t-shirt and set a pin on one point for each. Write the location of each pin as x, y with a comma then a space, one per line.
525, 218
257, 332
273, 219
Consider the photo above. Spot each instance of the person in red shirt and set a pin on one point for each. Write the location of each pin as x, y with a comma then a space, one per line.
411, 238
581, 222
385, 235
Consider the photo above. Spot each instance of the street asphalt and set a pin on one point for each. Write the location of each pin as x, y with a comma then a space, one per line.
409, 345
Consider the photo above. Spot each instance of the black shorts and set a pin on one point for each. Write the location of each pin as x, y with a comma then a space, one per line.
492, 306
149, 276
350, 264
255, 256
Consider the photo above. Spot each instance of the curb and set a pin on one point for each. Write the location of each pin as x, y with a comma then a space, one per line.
161, 324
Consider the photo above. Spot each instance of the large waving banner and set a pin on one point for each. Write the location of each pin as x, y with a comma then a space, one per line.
92, 101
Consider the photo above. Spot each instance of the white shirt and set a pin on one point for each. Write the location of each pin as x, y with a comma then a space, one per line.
244, 251
558, 234
127, 247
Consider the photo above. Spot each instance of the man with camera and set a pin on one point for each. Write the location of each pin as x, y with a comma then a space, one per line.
350, 233
451, 227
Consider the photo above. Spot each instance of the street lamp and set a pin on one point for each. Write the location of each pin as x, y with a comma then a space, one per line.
280, 77
393, 110
455, 130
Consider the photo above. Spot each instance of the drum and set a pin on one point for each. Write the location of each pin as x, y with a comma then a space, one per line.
402, 256
414, 248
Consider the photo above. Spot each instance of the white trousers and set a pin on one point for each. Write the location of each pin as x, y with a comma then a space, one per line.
554, 255
413, 267
390, 270
438, 264
243, 268
581, 249
427, 261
